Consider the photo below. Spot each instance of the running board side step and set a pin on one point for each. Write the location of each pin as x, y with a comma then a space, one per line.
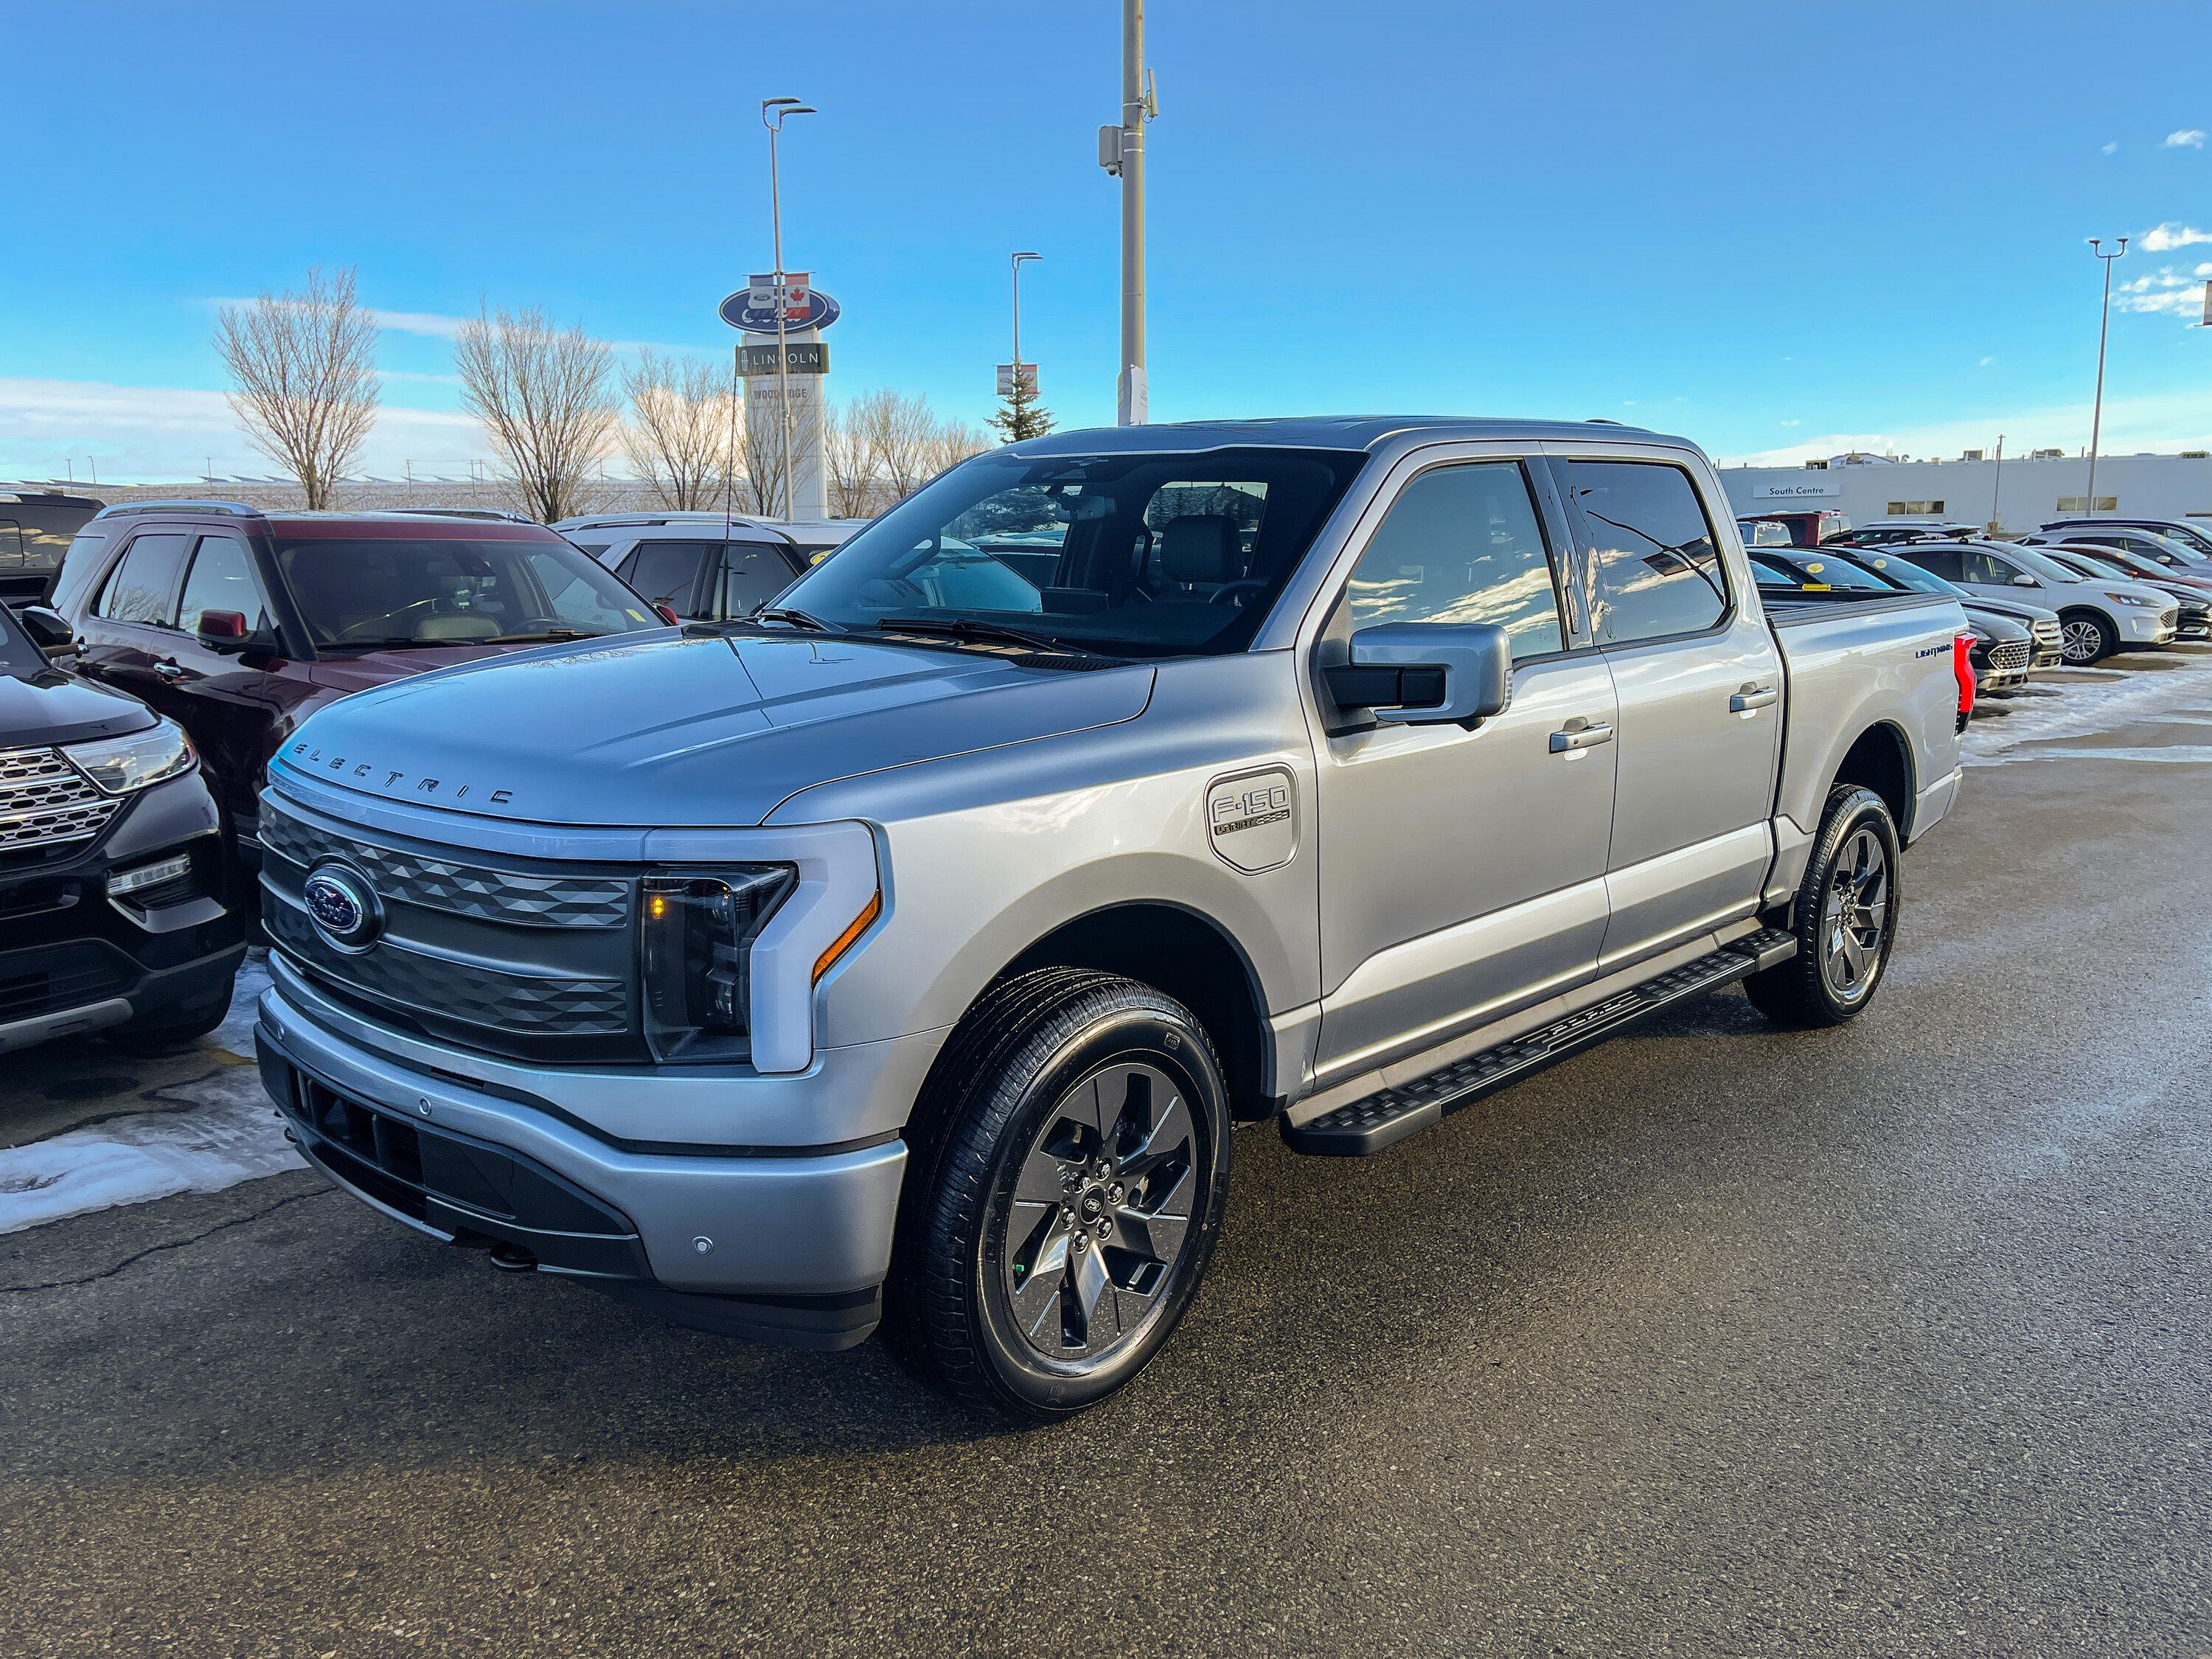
1382, 1119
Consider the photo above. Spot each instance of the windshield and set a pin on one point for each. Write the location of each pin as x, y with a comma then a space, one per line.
2041, 563
1906, 573
1131, 555
2189, 539
390, 591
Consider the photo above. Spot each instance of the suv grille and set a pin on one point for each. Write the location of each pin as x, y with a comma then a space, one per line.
2167, 617
509, 957
46, 802
2010, 656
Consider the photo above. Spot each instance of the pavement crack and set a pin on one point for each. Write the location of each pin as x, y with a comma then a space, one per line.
171, 1244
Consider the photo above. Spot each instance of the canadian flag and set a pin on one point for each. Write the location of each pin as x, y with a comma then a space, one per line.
798, 296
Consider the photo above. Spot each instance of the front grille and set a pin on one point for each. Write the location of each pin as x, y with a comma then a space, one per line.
2167, 618
499, 999
512, 896
510, 956
46, 802
2048, 632
2010, 656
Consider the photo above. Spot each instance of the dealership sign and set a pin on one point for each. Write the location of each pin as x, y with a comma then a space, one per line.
800, 357
755, 308
1794, 491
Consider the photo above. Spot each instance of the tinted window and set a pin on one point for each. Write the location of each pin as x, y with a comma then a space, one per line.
142, 583
1462, 544
221, 579
1657, 569
593, 548
11, 546
1841, 574
667, 572
753, 573
18, 655
1943, 561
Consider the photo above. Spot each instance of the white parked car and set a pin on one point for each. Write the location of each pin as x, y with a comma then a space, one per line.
707, 565
2095, 617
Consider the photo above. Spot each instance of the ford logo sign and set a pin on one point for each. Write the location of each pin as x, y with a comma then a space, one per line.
740, 312
343, 906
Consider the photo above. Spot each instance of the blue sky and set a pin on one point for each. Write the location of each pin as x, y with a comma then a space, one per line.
1774, 228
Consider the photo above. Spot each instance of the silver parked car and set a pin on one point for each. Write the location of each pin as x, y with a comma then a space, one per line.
2096, 617
909, 954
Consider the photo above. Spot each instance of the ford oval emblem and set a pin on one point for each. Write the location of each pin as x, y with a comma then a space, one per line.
343, 906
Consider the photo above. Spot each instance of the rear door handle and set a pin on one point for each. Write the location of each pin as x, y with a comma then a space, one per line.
1571, 738
168, 670
1752, 697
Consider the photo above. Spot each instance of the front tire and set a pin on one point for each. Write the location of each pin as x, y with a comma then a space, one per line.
1845, 917
1065, 1188
2085, 638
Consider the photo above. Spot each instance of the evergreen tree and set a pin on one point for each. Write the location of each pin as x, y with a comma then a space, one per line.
1020, 415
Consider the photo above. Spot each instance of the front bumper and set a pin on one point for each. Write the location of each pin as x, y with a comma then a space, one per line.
77, 961
786, 1242
2147, 627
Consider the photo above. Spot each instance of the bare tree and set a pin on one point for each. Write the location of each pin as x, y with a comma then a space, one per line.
853, 464
304, 368
543, 396
680, 435
952, 441
901, 430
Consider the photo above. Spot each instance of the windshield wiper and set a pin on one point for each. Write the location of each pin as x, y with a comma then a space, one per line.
395, 643
793, 617
533, 639
981, 633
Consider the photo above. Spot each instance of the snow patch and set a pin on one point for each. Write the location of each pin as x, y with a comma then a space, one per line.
2090, 700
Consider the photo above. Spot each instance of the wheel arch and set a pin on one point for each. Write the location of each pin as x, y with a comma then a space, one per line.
1880, 759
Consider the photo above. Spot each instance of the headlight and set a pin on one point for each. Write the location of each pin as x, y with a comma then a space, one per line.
698, 929
122, 766
2135, 599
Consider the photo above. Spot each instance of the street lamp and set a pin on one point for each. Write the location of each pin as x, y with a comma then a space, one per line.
773, 113
2104, 322
1121, 153
1017, 262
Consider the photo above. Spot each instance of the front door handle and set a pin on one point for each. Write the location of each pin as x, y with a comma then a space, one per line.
168, 670
1753, 695
1572, 737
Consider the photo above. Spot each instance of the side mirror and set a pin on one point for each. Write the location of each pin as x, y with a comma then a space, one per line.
224, 631
1426, 673
48, 628
2026, 581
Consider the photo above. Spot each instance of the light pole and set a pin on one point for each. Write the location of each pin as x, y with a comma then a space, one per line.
1996, 489
1121, 152
1017, 263
773, 112
2104, 323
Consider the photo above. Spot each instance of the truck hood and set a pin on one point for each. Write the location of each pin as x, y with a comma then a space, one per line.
49, 707
689, 730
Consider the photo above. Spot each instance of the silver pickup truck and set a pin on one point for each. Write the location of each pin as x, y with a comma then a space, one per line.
906, 954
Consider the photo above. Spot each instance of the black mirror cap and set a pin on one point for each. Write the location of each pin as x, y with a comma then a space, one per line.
48, 628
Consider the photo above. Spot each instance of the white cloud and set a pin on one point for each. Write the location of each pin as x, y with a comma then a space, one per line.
1785, 423
2110, 149
52, 428
2165, 422
2173, 233
1986, 362
2164, 290
432, 324
2187, 138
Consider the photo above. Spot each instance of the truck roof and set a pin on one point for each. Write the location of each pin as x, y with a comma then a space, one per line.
1320, 432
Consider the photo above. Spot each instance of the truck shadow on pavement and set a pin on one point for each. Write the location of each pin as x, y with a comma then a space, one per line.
278, 1327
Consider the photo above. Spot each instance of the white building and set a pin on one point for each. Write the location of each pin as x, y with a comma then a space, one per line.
2018, 493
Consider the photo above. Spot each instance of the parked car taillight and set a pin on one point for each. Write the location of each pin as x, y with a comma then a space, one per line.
1962, 668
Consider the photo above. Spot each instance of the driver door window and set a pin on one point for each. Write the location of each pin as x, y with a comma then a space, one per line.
1462, 544
1986, 569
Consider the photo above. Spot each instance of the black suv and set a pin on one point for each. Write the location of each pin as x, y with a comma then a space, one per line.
113, 911
35, 528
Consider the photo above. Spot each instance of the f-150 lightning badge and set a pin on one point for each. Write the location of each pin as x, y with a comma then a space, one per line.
1251, 817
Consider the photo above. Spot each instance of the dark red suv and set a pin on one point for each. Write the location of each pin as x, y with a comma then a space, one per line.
238, 624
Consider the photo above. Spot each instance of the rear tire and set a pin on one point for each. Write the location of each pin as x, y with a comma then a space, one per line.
1844, 918
2086, 638
1067, 1172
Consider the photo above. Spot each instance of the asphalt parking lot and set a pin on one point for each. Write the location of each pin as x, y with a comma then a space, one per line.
1894, 1340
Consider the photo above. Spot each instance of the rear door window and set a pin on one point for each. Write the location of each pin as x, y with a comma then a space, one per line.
753, 573
144, 583
667, 572
1943, 561
1985, 568
1656, 566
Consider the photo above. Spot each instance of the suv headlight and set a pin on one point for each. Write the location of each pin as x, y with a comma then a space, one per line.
2135, 599
125, 765
697, 928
